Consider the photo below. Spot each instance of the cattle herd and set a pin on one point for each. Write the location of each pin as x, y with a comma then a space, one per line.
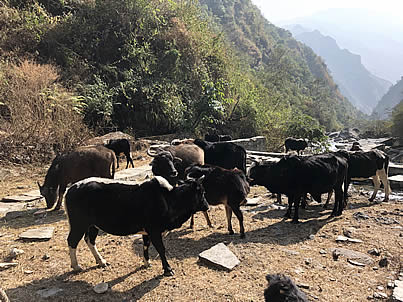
190, 175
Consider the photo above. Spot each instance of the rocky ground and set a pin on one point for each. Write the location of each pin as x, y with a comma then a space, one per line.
305, 252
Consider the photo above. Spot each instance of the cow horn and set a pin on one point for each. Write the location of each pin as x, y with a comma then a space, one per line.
39, 185
151, 154
158, 147
200, 179
189, 176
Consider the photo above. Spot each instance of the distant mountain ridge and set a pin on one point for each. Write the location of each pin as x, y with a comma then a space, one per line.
378, 38
393, 97
363, 89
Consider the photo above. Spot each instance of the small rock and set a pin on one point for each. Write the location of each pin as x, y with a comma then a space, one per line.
311, 237
349, 232
341, 238
380, 287
8, 264
15, 252
375, 268
101, 288
384, 262
355, 263
308, 261
220, 255
332, 279
46, 293
28, 272
303, 285
45, 257
322, 252
390, 285
378, 295
374, 252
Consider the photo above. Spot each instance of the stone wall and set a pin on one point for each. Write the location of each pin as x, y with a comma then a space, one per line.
257, 143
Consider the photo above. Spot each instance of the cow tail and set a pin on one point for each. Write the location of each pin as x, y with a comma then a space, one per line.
345, 188
387, 171
114, 163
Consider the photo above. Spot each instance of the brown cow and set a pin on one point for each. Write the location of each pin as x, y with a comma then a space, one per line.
73, 166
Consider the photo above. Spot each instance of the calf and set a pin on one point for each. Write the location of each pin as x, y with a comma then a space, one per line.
296, 144
282, 289
118, 146
226, 155
295, 176
365, 164
124, 209
227, 187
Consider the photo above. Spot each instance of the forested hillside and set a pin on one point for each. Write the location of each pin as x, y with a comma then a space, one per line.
156, 67
391, 99
356, 83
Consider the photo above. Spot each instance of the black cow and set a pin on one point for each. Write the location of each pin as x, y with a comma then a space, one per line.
296, 144
282, 289
120, 145
124, 209
228, 187
356, 147
295, 176
365, 164
213, 138
226, 155
170, 161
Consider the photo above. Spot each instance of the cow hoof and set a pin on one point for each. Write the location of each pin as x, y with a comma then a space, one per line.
103, 263
231, 232
370, 199
168, 272
385, 200
77, 269
295, 221
242, 235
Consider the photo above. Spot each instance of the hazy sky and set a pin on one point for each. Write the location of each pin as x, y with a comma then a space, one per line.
281, 10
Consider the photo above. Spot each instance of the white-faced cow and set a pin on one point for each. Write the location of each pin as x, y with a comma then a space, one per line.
295, 144
226, 155
122, 209
120, 145
365, 164
73, 166
227, 187
170, 161
295, 176
282, 289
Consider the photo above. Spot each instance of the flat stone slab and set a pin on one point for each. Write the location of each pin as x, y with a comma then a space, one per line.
353, 255
44, 233
396, 182
398, 291
250, 202
20, 198
6, 207
220, 255
347, 239
138, 173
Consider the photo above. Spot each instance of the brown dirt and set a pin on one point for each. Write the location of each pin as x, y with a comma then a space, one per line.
271, 246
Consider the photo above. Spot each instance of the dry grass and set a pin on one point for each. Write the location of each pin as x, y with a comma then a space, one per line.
268, 248
44, 115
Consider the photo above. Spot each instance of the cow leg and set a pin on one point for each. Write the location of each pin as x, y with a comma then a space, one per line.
74, 237
207, 219
329, 195
338, 202
278, 198
192, 221
297, 200
159, 246
129, 160
377, 185
62, 189
304, 201
146, 246
228, 212
89, 238
290, 201
384, 178
239, 215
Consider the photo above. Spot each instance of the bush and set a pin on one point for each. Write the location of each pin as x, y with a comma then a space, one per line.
45, 117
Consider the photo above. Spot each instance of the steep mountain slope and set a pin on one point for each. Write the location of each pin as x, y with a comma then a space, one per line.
393, 97
363, 89
376, 37
284, 65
